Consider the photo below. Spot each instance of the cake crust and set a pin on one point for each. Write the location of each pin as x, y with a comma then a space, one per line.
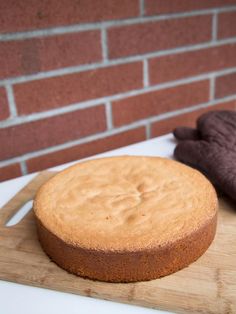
127, 249
118, 266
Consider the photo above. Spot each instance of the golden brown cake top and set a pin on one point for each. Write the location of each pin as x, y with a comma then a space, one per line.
125, 203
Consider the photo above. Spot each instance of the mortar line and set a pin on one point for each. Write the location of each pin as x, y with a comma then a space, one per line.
23, 167
212, 87
119, 61
108, 108
103, 100
214, 26
141, 7
118, 130
11, 101
148, 131
145, 73
104, 44
111, 23
49, 113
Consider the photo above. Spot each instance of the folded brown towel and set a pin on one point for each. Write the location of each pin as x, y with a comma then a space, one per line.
211, 148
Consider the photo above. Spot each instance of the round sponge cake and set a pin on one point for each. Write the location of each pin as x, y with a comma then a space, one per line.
128, 218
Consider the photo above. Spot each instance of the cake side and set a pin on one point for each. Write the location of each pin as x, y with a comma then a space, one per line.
125, 266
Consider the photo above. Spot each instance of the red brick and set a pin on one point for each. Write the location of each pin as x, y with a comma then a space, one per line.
174, 6
28, 15
153, 103
227, 25
225, 85
10, 172
29, 56
4, 110
31, 136
181, 65
64, 90
87, 149
153, 36
188, 119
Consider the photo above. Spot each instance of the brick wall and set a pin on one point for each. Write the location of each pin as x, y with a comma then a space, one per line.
82, 77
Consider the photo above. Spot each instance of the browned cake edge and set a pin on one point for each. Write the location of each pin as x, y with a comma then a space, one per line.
127, 266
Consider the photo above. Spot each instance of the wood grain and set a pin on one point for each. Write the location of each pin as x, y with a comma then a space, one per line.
206, 286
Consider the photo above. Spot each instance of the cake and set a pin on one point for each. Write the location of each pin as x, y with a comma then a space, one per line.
125, 219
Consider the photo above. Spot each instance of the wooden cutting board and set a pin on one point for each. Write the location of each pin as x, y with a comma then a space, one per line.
206, 286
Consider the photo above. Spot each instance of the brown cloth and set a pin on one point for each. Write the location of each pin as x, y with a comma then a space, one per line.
211, 148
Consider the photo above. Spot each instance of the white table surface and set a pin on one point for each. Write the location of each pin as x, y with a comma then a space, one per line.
16, 298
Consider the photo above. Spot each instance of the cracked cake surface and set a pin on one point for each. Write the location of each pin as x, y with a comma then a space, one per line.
125, 204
